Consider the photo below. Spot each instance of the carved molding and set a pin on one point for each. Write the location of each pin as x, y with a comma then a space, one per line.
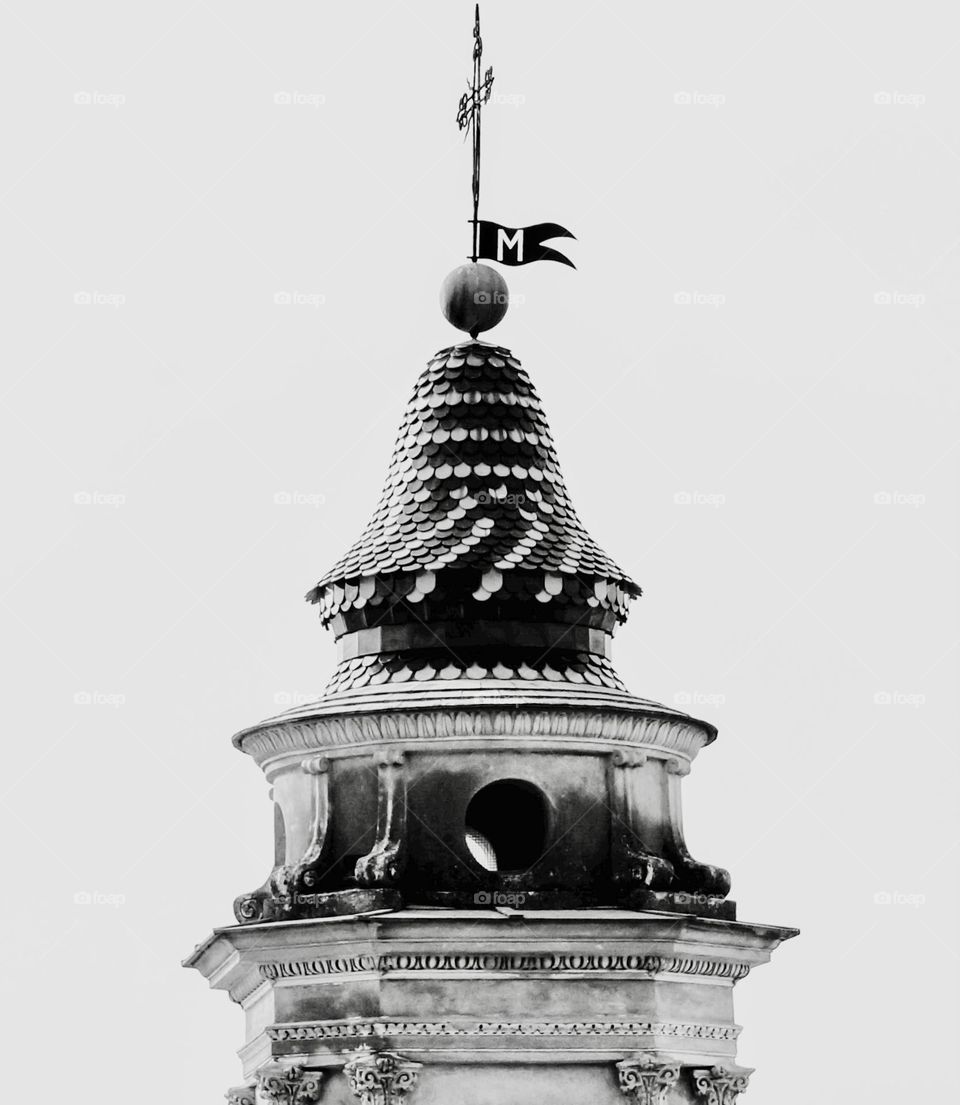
381, 1077
242, 1095
648, 1078
568, 962
293, 1085
721, 1085
378, 1029
675, 735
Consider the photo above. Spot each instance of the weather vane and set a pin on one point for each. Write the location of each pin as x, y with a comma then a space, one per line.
468, 118
474, 297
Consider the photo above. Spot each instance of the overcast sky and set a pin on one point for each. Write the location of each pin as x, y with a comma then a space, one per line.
225, 226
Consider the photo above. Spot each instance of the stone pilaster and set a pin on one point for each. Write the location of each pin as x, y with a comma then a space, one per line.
381, 1077
288, 1085
647, 1078
721, 1085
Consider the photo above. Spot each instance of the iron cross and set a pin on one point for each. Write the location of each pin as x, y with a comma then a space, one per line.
468, 116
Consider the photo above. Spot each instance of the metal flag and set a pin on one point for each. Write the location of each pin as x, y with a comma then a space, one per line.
520, 245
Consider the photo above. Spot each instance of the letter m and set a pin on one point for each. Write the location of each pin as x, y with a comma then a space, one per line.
505, 242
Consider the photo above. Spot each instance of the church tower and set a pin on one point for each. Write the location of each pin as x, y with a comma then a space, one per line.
481, 891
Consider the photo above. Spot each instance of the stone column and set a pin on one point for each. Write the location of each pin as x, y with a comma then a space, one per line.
288, 1085
721, 1085
647, 1078
381, 1077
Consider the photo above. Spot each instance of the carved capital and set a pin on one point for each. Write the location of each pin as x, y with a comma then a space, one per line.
241, 1095
293, 1085
381, 1077
721, 1085
648, 1077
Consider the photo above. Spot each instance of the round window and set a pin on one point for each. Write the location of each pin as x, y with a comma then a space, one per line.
506, 826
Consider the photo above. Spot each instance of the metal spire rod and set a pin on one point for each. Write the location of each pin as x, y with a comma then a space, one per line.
468, 115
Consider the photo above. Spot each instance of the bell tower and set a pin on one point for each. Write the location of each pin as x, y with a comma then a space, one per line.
481, 890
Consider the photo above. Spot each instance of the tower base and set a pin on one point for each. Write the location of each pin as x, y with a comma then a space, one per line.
481, 1006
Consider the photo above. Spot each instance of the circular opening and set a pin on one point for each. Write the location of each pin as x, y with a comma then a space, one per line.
506, 826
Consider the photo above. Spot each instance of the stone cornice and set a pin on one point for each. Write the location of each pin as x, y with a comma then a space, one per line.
680, 737
547, 964
383, 1027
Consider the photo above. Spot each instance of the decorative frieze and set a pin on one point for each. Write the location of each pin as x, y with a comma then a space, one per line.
288, 1085
721, 1085
381, 1028
552, 963
381, 1077
647, 1078
680, 736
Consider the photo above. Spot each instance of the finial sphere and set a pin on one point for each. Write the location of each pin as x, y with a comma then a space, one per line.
474, 298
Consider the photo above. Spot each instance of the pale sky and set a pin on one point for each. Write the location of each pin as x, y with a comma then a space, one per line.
750, 378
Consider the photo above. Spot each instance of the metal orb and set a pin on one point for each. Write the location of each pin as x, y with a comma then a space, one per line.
474, 298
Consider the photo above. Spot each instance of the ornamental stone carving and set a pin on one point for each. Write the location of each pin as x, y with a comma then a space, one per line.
721, 1085
548, 963
647, 1078
241, 1095
381, 1077
288, 1085
384, 864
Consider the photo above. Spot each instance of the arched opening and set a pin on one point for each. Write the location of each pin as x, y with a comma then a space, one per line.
506, 826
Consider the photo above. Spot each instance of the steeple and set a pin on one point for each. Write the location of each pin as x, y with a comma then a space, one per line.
480, 874
474, 564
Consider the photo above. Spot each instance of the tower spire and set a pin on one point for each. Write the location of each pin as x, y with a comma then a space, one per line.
469, 118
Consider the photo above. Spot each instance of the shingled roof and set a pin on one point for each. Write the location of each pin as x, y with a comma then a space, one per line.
474, 492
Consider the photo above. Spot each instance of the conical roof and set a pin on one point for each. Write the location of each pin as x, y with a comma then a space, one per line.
475, 529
